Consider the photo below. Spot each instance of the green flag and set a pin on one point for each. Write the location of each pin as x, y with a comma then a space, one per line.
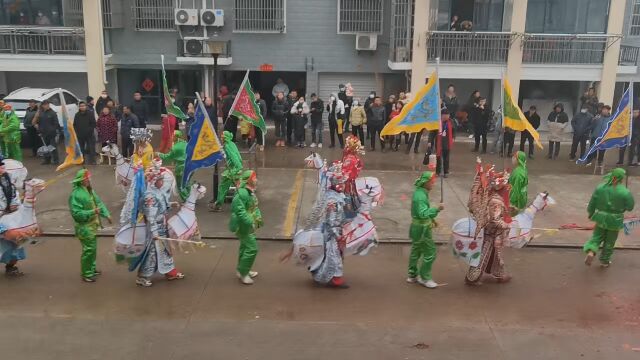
245, 107
168, 101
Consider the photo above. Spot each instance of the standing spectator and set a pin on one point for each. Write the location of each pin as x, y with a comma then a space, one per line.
191, 117
316, 109
29, 120
84, 123
280, 87
389, 106
634, 146
102, 101
466, 25
279, 109
107, 126
262, 105
590, 100
467, 109
534, 119
597, 129
454, 25
299, 111
42, 19
291, 100
129, 121
450, 100
581, 124
335, 108
224, 91
91, 104
558, 120
231, 122
443, 143
347, 101
48, 126
211, 112
508, 143
393, 140
140, 108
357, 119
367, 109
114, 109
480, 121
376, 122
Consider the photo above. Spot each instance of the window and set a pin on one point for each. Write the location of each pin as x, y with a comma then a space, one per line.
359, 16
260, 16
567, 16
54, 100
152, 15
69, 99
41, 12
634, 26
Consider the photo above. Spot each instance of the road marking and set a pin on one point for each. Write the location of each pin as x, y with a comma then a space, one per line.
287, 227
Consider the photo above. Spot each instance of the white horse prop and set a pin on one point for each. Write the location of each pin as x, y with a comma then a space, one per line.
17, 172
22, 223
124, 168
462, 231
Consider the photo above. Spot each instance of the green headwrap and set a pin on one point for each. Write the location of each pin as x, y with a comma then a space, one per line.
178, 134
424, 178
615, 176
81, 175
522, 158
227, 136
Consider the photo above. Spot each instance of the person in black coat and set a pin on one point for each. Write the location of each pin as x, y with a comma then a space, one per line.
128, 121
32, 134
348, 102
48, 125
480, 120
230, 122
102, 101
84, 123
291, 100
212, 112
140, 108
534, 119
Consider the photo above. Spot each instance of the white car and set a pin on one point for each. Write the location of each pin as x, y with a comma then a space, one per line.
19, 100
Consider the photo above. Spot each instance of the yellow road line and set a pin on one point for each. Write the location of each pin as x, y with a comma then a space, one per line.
289, 220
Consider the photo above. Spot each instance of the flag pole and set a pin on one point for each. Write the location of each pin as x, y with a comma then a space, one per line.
501, 108
631, 98
439, 133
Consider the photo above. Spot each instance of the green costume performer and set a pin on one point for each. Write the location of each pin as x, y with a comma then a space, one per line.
232, 172
519, 180
423, 248
86, 210
10, 133
245, 219
178, 155
606, 208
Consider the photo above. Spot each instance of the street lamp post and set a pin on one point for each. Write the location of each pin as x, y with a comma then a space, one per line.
215, 48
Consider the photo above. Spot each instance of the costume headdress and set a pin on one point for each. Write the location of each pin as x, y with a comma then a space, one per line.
352, 145
141, 135
615, 176
424, 178
81, 175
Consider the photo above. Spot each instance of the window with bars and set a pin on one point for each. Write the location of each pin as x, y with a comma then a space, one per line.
634, 25
260, 16
360, 16
152, 15
401, 30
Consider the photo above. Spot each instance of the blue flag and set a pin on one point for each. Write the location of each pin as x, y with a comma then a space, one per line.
203, 149
617, 133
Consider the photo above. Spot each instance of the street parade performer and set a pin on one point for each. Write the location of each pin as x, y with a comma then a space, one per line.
606, 208
351, 167
246, 218
519, 180
157, 255
488, 205
10, 134
178, 155
86, 211
330, 271
423, 248
143, 153
10, 252
233, 170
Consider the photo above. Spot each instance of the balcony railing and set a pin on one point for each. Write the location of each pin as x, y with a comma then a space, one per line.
629, 55
469, 47
39, 40
564, 49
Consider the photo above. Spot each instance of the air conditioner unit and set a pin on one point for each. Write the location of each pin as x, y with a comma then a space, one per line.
186, 17
194, 46
368, 42
212, 17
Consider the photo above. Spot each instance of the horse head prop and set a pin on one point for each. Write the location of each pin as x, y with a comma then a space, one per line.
314, 161
21, 224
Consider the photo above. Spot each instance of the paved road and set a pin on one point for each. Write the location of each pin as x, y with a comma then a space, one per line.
555, 308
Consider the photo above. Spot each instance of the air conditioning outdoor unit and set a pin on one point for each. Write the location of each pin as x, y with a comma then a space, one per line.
368, 42
186, 17
212, 17
194, 46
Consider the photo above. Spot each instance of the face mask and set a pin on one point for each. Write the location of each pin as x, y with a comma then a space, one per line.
371, 96
300, 101
342, 89
355, 103
332, 98
104, 96
584, 111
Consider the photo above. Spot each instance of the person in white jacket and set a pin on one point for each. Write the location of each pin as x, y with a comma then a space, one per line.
299, 110
335, 108
280, 87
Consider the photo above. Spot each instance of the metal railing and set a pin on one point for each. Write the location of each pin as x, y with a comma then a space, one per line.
469, 47
401, 46
629, 55
153, 15
39, 40
564, 48
260, 16
356, 16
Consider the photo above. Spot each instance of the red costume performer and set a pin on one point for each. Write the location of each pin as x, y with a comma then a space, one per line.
168, 128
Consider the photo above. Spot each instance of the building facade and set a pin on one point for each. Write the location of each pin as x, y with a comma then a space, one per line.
551, 50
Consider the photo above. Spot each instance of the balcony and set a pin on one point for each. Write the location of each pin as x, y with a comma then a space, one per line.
462, 47
629, 55
580, 49
41, 40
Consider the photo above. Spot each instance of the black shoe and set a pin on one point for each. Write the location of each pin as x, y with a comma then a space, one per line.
331, 146
13, 271
619, 163
46, 162
474, 150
